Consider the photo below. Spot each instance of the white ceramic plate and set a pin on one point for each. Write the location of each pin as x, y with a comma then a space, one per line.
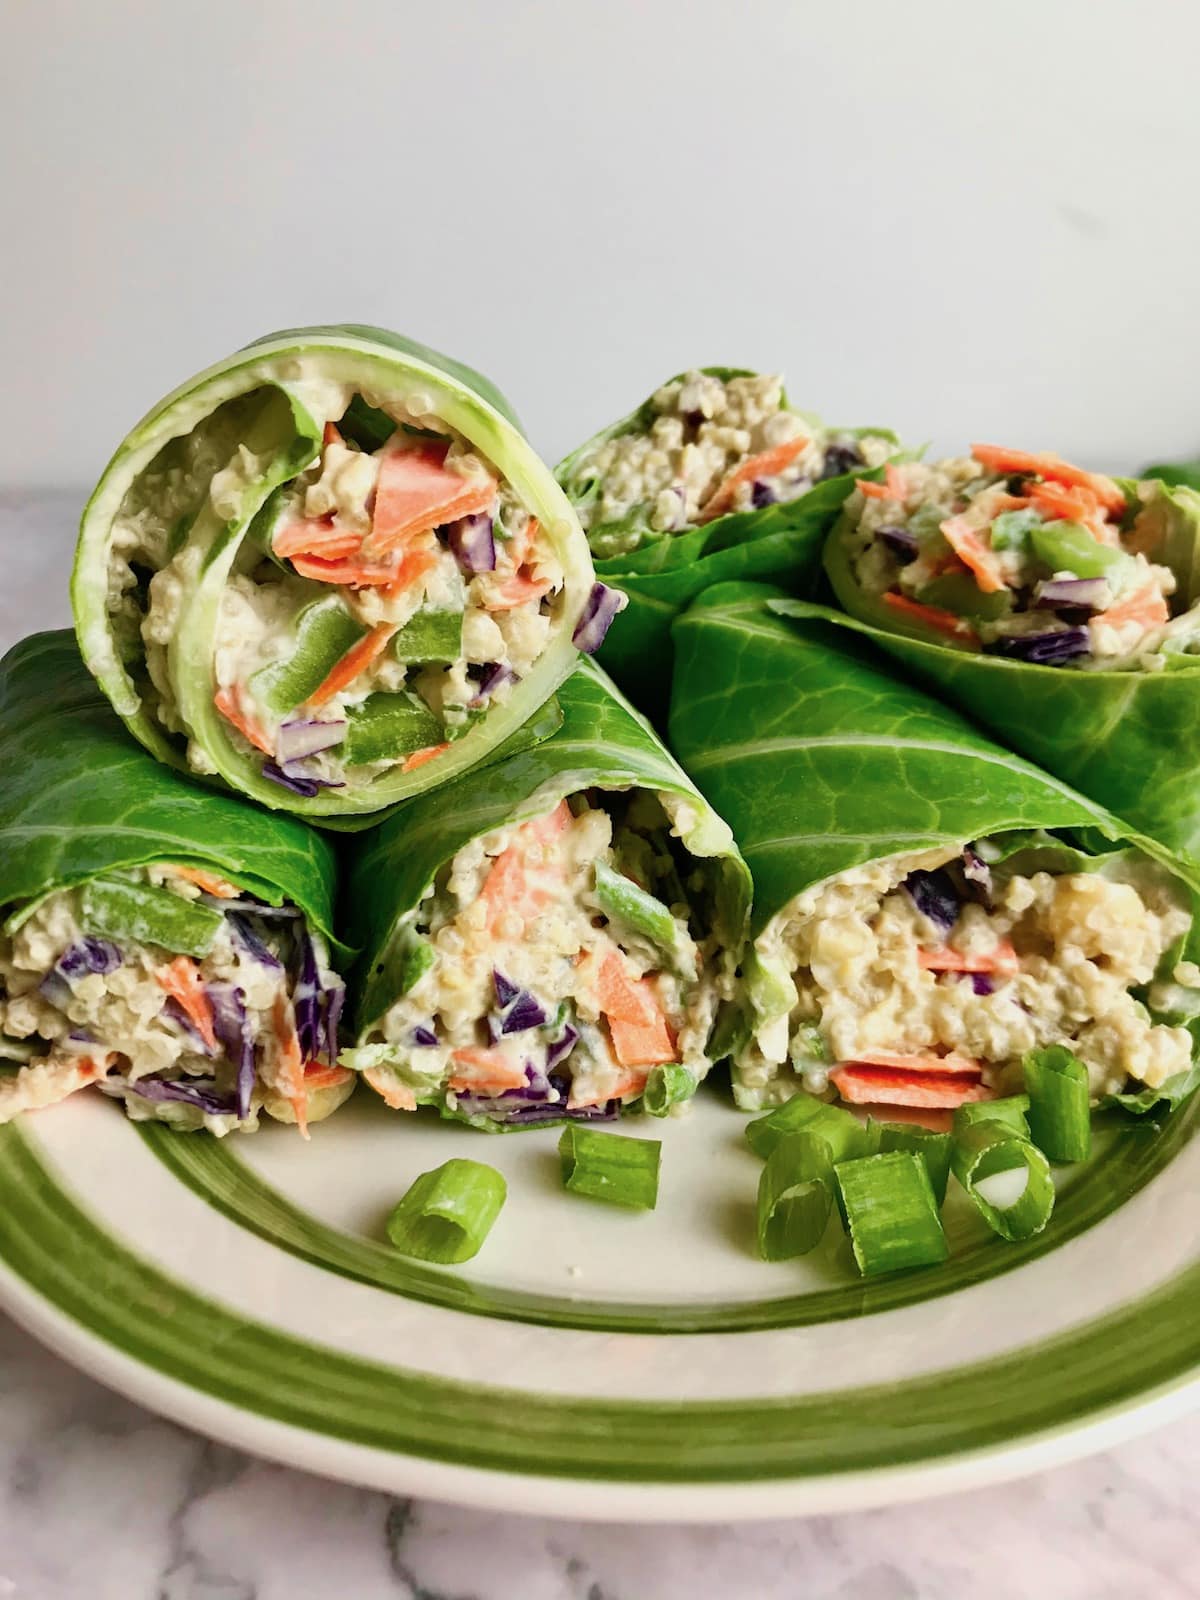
592, 1362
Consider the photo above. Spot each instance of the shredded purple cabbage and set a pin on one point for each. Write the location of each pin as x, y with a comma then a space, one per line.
506, 990
302, 738
244, 935
472, 542
306, 997
231, 1024
1045, 649
559, 1049
301, 783
761, 494
335, 1000
934, 894
422, 1037
602, 606
902, 542
491, 676
88, 956
1084, 594
982, 983
840, 459
525, 1012
199, 1092
977, 872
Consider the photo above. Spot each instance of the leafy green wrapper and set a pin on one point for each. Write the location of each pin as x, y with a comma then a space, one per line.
253, 422
662, 573
1128, 738
81, 798
602, 744
822, 760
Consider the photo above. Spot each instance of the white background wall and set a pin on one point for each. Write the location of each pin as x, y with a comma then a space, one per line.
966, 220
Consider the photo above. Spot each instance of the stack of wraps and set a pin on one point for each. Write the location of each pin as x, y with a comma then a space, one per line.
928, 907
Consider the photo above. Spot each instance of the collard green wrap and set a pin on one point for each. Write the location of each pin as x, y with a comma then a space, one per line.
604, 745
823, 761
197, 479
1129, 738
81, 798
664, 572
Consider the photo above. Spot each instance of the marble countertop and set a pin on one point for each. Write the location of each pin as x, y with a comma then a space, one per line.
100, 1500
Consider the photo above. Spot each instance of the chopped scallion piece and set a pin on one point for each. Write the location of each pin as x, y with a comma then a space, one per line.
1006, 1176
610, 1166
933, 1148
666, 1087
891, 1213
1011, 1111
847, 1137
1060, 1120
795, 1196
448, 1213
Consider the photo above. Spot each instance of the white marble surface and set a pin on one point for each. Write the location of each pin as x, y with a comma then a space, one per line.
99, 1500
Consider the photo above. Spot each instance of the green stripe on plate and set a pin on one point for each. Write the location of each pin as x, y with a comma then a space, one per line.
1124, 1162
89, 1277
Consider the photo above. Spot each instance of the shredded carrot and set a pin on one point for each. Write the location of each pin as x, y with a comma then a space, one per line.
219, 888
969, 547
521, 544
291, 1064
919, 1061
320, 536
1057, 502
1003, 959
354, 663
629, 1084
544, 830
513, 884
862, 1085
358, 574
181, 980
420, 757
873, 490
332, 435
514, 592
766, 465
390, 1090
936, 1119
317, 1076
228, 703
485, 1072
640, 1033
1048, 465
416, 492
1146, 606
896, 481
932, 617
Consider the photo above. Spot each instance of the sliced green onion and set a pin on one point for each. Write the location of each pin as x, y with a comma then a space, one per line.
389, 725
1012, 1111
795, 1196
448, 1213
1006, 1176
146, 915
891, 1213
610, 1166
934, 1150
1060, 1114
430, 636
632, 908
847, 1137
666, 1087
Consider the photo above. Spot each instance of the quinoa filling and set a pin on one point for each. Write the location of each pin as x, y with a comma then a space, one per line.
189, 1000
924, 982
558, 968
707, 446
381, 604
1026, 557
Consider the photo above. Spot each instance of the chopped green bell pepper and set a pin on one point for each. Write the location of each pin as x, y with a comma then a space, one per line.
145, 915
430, 636
957, 592
325, 631
388, 725
1070, 547
625, 903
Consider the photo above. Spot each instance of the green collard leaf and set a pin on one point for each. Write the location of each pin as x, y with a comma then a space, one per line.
82, 800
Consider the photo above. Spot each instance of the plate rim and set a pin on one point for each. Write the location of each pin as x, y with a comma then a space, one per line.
607, 1492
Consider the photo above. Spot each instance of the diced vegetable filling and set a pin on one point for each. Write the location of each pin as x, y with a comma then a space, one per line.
923, 983
712, 446
564, 967
382, 603
189, 1000
1022, 556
